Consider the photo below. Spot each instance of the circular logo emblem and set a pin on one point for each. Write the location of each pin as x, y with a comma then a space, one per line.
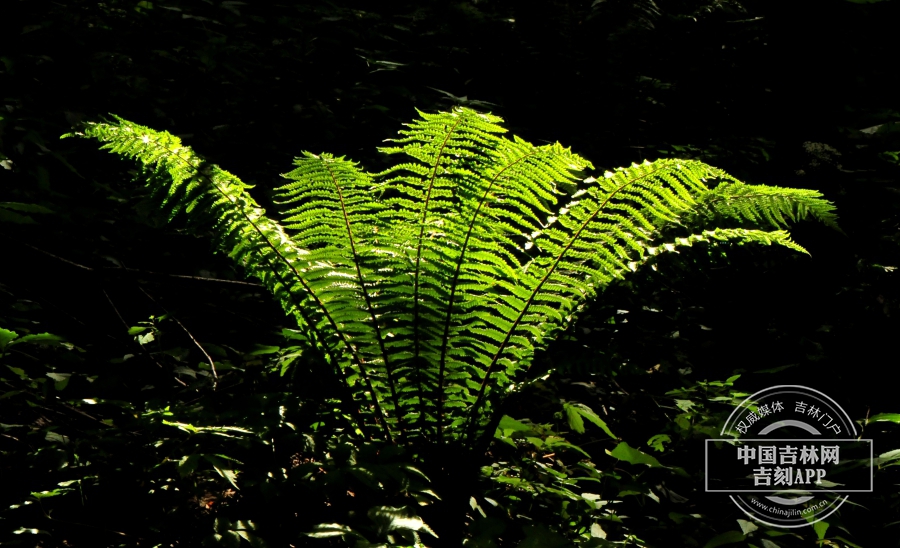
788, 457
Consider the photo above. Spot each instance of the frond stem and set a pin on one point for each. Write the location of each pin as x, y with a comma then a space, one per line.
453, 287
437, 163
362, 285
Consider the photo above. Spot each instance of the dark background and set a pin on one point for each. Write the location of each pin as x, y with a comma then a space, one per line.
800, 94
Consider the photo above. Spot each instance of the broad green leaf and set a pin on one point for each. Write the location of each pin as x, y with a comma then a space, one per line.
222, 524
625, 452
6, 336
220, 466
53, 493
684, 405
54, 437
575, 412
18, 371
62, 380
45, 338
183, 370
229, 474
728, 537
389, 518
8, 216
886, 417
59, 376
510, 424
658, 442
22, 530
575, 421
188, 464
28, 208
597, 531
260, 350
254, 540
327, 530
553, 442
888, 457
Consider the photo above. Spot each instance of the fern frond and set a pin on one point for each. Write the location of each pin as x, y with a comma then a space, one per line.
607, 231
430, 286
423, 199
759, 204
466, 197
333, 216
182, 181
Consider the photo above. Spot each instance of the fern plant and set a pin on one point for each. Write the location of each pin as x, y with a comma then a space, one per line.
428, 287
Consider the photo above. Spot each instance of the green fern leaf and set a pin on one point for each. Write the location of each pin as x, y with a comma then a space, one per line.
430, 286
